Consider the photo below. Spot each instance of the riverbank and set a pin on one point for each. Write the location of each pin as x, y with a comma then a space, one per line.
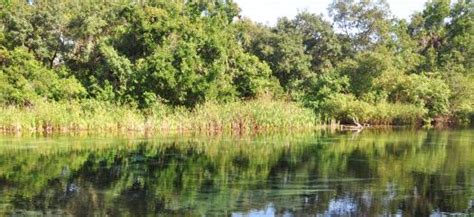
253, 116
256, 115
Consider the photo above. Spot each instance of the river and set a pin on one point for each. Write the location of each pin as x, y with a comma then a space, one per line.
371, 173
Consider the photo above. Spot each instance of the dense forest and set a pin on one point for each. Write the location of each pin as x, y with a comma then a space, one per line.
363, 65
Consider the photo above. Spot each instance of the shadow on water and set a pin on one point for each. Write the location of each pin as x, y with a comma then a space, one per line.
415, 173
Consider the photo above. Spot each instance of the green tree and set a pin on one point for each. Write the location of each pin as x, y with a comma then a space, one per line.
23, 80
364, 23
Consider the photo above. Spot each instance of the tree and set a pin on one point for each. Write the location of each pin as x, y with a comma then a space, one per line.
23, 80
364, 23
282, 48
319, 40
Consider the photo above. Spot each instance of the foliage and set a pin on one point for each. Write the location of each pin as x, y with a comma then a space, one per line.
23, 79
191, 53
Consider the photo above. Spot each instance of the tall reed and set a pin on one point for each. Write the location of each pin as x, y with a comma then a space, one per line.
91, 115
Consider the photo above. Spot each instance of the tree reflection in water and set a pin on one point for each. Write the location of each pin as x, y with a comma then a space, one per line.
374, 173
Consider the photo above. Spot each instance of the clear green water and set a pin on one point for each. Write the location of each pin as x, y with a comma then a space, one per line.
414, 173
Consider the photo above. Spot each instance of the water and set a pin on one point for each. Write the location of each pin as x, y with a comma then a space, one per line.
413, 173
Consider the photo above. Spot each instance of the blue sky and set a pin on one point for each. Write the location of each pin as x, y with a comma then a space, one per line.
267, 11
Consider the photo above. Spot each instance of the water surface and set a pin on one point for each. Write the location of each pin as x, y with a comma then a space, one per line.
414, 173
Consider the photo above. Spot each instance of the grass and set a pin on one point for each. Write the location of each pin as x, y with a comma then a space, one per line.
344, 108
260, 115
90, 115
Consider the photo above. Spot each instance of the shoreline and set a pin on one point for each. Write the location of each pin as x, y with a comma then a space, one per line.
241, 117
210, 132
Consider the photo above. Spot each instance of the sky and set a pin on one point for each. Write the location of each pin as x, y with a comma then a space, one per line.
268, 11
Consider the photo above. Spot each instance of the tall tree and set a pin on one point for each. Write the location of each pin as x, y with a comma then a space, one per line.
365, 23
